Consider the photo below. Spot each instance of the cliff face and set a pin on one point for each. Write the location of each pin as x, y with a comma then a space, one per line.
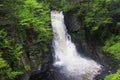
36, 65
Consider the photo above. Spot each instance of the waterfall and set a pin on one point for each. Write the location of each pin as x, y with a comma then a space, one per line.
67, 59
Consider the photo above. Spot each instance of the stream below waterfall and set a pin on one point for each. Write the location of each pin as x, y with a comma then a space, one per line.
70, 63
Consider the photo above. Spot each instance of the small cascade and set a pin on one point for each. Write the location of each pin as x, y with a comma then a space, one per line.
67, 59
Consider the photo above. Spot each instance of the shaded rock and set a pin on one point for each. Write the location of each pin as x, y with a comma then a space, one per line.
71, 22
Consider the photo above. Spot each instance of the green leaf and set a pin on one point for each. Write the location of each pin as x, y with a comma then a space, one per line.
3, 63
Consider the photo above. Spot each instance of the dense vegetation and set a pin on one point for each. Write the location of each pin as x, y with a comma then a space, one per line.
25, 31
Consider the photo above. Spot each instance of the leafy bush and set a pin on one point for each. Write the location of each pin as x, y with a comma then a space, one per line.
9, 55
35, 15
112, 46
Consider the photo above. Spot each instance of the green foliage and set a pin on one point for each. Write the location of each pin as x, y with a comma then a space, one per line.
112, 46
63, 5
3, 63
1, 5
35, 15
12, 74
69, 7
13, 54
57, 5
115, 76
27, 67
95, 14
99, 17
18, 51
7, 44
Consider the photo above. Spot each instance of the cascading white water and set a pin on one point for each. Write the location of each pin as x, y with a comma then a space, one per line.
66, 55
